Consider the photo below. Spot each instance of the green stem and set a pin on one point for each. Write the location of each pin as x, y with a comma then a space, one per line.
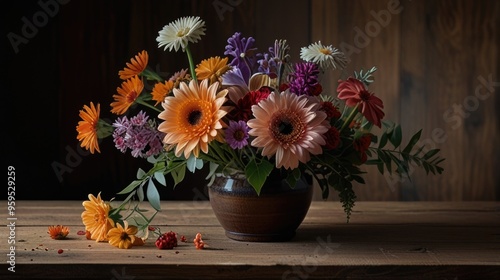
349, 119
140, 101
151, 75
191, 63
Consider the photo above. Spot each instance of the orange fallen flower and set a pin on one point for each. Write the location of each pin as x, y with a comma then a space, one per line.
58, 232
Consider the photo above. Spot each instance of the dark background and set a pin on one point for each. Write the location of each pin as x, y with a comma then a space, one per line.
430, 57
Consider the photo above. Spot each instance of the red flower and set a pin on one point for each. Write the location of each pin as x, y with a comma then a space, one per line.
332, 138
243, 110
361, 145
331, 111
354, 92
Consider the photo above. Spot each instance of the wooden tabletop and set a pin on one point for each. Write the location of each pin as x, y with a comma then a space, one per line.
383, 240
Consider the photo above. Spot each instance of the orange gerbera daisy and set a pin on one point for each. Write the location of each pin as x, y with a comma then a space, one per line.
289, 127
161, 90
122, 237
192, 117
135, 66
96, 217
58, 232
127, 94
87, 127
212, 69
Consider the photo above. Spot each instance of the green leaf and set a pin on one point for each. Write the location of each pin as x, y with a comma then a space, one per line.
257, 173
140, 193
131, 186
431, 153
396, 136
380, 167
358, 179
178, 174
153, 196
293, 177
414, 139
160, 178
325, 190
140, 173
194, 163
383, 141
212, 169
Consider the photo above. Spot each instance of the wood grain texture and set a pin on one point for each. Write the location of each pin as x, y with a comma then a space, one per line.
384, 240
438, 71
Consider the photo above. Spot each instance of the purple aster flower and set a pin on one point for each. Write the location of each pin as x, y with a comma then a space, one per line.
138, 134
140, 119
240, 48
237, 134
304, 79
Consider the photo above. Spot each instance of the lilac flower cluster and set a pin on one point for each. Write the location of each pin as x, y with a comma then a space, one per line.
304, 80
138, 134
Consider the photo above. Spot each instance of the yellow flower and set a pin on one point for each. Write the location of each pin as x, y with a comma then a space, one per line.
135, 67
58, 232
122, 237
127, 94
161, 90
96, 217
192, 117
87, 127
212, 69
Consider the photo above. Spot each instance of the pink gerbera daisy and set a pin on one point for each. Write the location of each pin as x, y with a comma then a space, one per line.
289, 127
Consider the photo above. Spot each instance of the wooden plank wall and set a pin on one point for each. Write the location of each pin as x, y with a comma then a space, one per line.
434, 57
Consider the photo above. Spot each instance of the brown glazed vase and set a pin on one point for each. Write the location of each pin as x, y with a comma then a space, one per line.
272, 216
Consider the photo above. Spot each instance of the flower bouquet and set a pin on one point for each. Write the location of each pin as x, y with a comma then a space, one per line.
248, 113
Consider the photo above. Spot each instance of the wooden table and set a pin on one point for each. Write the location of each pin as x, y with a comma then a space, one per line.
384, 240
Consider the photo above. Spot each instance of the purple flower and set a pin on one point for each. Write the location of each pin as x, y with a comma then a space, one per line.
240, 48
138, 134
304, 79
267, 64
237, 134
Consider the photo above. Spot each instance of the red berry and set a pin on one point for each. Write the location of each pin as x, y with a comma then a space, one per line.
167, 240
60, 251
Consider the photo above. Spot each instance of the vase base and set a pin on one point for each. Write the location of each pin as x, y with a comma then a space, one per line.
254, 237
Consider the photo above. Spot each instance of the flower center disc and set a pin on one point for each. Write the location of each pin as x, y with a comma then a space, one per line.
286, 128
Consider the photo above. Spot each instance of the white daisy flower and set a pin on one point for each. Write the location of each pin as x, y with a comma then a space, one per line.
325, 56
180, 32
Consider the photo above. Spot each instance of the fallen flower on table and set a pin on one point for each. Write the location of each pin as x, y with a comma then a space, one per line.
96, 217
58, 232
122, 237
198, 242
